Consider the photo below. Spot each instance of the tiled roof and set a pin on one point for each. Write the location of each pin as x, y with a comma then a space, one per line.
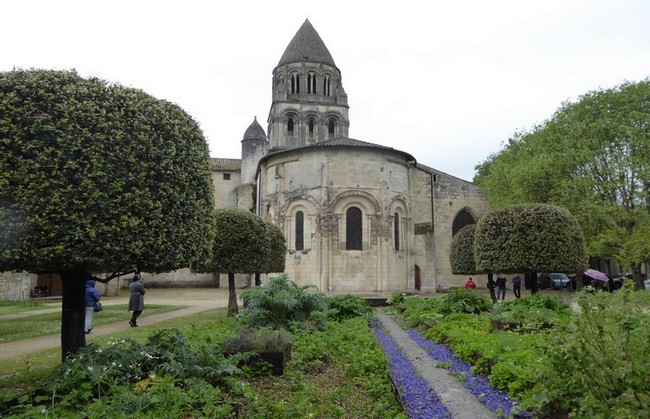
225, 164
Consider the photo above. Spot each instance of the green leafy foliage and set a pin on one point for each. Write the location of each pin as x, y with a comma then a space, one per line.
598, 366
283, 304
529, 238
592, 157
239, 245
531, 314
124, 374
339, 371
98, 178
342, 307
276, 249
461, 253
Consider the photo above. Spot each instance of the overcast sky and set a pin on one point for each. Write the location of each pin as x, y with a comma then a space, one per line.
447, 82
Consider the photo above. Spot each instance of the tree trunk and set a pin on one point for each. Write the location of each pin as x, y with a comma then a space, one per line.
258, 280
636, 276
531, 282
74, 312
232, 296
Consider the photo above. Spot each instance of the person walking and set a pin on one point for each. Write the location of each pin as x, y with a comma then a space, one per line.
491, 285
92, 298
516, 285
470, 285
136, 299
501, 287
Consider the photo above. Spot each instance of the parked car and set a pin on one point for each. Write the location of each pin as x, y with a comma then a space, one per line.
554, 280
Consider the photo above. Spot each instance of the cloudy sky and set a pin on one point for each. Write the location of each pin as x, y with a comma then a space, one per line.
446, 81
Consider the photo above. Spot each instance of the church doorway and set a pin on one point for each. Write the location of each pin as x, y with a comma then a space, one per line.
417, 278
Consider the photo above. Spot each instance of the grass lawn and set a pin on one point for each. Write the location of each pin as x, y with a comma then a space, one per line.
26, 371
17, 307
49, 323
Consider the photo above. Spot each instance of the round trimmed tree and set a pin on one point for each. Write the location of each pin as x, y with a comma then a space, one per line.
96, 177
240, 247
461, 253
529, 238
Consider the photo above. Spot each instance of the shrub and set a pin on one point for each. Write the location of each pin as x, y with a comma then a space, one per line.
348, 306
599, 366
283, 304
532, 313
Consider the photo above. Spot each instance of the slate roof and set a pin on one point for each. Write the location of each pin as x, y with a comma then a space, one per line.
307, 46
340, 142
225, 164
255, 132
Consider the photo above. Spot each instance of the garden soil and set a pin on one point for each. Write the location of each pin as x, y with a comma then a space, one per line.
460, 402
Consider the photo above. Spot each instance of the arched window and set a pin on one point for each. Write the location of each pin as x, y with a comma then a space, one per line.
326, 85
396, 232
330, 129
311, 83
353, 229
290, 127
310, 124
295, 84
300, 230
462, 219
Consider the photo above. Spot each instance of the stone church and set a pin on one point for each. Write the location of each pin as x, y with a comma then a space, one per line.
357, 216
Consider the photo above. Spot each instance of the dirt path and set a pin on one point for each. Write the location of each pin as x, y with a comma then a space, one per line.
459, 401
197, 300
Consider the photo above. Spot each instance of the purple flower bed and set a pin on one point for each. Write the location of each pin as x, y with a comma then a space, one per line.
419, 400
493, 399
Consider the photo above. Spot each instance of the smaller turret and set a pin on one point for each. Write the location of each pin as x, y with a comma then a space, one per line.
254, 146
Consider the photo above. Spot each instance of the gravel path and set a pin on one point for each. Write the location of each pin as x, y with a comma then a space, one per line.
458, 400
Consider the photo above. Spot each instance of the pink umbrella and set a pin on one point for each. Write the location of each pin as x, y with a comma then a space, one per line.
594, 274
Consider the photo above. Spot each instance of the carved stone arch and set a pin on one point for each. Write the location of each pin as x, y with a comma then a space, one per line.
465, 216
399, 204
397, 222
300, 228
344, 199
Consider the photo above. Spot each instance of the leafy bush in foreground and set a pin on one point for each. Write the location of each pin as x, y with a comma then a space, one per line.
283, 304
598, 366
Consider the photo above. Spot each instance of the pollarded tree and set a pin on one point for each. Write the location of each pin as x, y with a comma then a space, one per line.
239, 247
529, 238
461, 253
96, 178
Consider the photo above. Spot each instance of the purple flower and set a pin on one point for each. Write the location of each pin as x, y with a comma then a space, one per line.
479, 386
419, 400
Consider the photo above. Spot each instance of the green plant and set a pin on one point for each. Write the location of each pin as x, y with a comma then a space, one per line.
283, 304
598, 365
258, 340
342, 307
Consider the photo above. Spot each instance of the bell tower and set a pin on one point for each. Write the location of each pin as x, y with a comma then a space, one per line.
309, 103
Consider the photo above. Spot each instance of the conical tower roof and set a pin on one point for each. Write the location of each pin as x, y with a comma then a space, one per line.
255, 131
307, 45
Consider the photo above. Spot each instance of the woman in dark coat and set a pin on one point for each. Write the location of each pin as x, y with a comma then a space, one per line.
136, 300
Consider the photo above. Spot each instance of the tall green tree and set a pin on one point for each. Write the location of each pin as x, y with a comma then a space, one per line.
529, 238
591, 157
96, 177
240, 246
